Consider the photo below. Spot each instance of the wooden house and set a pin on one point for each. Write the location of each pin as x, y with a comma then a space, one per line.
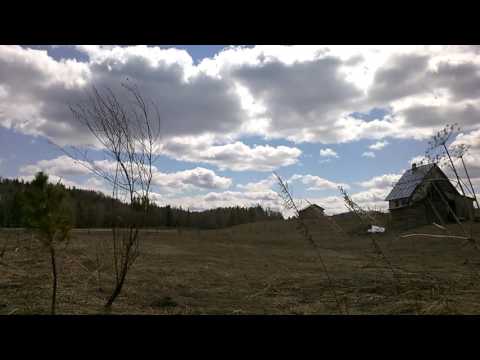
311, 212
424, 195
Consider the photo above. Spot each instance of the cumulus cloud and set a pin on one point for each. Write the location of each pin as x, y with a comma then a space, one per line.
401, 76
317, 183
472, 157
369, 154
301, 93
398, 77
259, 186
261, 193
378, 145
461, 79
419, 159
431, 117
60, 166
373, 199
298, 93
235, 156
381, 182
327, 152
39, 89
197, 178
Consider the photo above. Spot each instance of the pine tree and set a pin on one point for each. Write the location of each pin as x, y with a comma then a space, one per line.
48, 214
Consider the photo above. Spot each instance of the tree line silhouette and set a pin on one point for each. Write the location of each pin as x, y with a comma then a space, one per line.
93, 209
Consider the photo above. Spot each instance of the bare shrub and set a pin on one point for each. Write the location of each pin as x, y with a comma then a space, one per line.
128, 132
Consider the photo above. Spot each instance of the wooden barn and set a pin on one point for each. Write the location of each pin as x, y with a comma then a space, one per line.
311, 212
424, 195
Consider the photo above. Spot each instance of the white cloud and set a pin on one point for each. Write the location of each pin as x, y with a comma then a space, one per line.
328, 153
472, 139
41, 88
378, 145
259, 186
261, 193
381, 182
60, 166
94, 183
419, 159
235, 156
298, 93
317, 183
372, 199
472, 157
197, 178
302, 93
369, 154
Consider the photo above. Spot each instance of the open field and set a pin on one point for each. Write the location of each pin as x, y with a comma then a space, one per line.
260, 268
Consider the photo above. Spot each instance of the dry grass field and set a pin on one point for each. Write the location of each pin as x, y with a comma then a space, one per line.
260, 268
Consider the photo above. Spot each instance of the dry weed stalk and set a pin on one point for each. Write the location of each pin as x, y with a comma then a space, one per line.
362, 216
331, 222
440, 140
302, 227
459, 151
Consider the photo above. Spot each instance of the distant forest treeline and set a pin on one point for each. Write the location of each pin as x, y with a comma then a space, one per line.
93, 209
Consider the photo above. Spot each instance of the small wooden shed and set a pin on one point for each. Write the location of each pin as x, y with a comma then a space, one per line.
312, 211
424, 195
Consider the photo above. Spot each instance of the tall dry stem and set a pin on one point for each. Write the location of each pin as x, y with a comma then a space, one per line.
361, 214
304, 230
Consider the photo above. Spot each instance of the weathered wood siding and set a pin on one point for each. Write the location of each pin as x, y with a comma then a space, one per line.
409, 217
311, 213
465, 209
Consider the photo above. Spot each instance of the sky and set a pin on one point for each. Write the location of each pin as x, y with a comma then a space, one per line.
319, 116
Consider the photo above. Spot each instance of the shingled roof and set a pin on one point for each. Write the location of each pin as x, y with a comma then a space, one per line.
313, 206
409, 182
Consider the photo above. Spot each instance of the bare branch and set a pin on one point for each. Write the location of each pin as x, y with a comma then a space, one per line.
128, 132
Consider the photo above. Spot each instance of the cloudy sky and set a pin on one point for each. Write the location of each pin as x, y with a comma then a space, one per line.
320, 116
